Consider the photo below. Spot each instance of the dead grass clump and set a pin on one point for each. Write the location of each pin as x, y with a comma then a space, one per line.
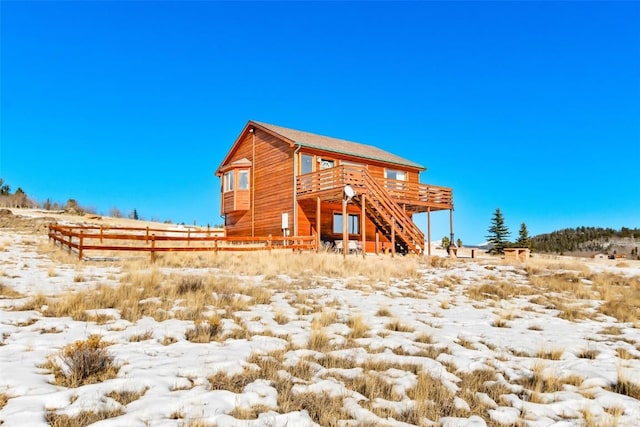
384, 312
82, 362
500, 322
439, 262
4, 398
144, 336
249, 413
234, 383
326, 318
280, 318
396, 325
83, 419
259, 295
433, 399
624, 308
8, 293
190, 284
425, 338
626, 386
374, 386
495, 291
623, 353
124, 397
550, 354
319, 341
588, 353
204, 331
359, 328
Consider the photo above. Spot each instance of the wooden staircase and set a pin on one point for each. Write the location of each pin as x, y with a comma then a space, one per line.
386, 214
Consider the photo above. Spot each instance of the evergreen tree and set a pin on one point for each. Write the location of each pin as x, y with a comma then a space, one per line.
445, 242
524, 241
459, 242
498, 233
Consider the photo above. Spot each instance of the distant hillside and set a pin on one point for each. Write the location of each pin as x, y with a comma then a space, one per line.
589, 240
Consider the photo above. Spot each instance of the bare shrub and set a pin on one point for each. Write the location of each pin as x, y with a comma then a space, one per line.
82, 362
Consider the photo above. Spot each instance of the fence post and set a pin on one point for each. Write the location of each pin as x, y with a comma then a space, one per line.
80, 245
153, 246
101, 233
188, 236
269, 244
70, 238
147, 235
208, 231
215, 246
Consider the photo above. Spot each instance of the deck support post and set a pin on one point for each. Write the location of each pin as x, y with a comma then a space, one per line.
377, 242
363, 230
393, 238
318, 223
451, 226
345, 231
429, 230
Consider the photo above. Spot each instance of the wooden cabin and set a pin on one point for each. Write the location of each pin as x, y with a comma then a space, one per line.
279, 181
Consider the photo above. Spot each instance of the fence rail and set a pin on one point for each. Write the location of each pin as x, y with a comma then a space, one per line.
83, 238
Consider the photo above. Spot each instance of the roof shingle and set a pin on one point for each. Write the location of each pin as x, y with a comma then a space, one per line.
338, 146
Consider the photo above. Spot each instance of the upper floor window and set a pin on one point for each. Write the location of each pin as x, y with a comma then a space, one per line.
395, 174
306, 164
228, 181
243, 179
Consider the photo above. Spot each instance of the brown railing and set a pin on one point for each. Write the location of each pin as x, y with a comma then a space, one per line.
327, 180
83, 238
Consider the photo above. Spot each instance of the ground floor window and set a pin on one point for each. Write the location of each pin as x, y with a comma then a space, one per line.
353, 223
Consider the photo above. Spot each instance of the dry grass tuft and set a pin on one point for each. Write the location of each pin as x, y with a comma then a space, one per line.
124, 397
626, 386
204, 331
280, 318
588, 353
7, 292
83, 419
397, 326
359, 328
4, 398
82, 362
146, 335
384, 312
550, 354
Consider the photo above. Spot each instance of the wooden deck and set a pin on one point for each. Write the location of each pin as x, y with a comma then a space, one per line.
328, 184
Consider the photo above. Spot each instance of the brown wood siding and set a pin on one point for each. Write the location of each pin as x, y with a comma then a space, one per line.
273, 181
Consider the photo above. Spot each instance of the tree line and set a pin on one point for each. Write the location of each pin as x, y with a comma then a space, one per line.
20, 199
581, 239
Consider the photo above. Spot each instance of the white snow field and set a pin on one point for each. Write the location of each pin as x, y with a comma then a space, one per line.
288, 339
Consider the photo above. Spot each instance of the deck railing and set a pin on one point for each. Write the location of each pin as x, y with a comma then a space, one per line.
402, 191
82, 238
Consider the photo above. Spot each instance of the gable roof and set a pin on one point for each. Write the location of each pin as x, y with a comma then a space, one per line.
335, 145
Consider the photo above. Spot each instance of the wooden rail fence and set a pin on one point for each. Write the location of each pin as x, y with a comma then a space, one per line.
82, 238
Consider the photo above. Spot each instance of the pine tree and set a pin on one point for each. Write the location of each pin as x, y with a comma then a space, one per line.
459, 242
498, 233
524, 241
445, 242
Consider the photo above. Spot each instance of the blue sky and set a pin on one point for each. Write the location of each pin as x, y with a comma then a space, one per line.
533, 107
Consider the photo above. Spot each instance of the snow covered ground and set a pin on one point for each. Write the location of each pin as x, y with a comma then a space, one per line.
468, 343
